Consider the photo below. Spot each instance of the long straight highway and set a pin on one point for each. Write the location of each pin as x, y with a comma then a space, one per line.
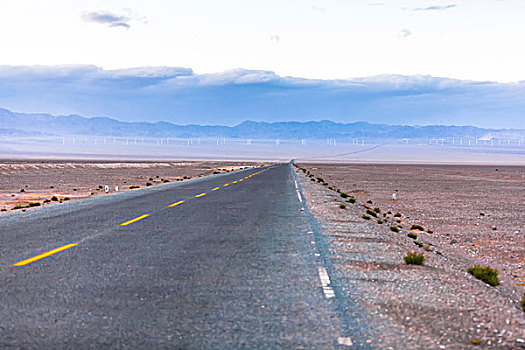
222, 262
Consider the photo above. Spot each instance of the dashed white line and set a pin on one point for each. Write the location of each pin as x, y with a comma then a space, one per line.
325, 283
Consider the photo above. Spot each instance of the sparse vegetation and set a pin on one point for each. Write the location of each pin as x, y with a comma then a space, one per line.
342, 206
379, 221
486, 274
22, 190
54, 199
66, 198
430, 231
371, 213
522, 303
369, 201
133, 187
414, 259
377, 210
3, 209
366, 217
165, 181
397, 215
412, 235
476, 342
351, 200
344, 195
419, 244
46, 201
417, 227
148, 183
394, 228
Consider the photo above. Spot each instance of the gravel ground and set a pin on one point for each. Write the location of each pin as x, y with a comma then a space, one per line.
434, 306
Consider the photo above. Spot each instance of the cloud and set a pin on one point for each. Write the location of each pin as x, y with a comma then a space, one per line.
275, 38
404, 33
377, 4
111, 19
436, 8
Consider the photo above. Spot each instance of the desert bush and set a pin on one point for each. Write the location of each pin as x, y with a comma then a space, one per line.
486, 274
394, 228
342, 206
366, 217
148, 183
523, 303
325, 183
166, 181
351, 200
17, 207
312, 180
344, 195
133, 187
379, 221
34, 204
377, 210
47, 201
476, 342
371, 212
319, 179
419, 244
397, 215
417, 227
100, 187
3, 209
414, 259
412, 235
430, 231
369, 201
22, 190
66, 198
54, 199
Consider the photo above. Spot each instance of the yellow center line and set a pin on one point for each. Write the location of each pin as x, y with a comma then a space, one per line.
226, 185
215, 189
134, 220
200, 195
234, 182
241, 180
175, 204
44, 255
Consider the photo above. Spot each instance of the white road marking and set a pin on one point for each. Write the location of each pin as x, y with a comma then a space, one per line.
325, 283
299, 196
346, 341
296, 185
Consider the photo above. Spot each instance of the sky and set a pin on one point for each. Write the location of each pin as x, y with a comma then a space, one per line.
479, 40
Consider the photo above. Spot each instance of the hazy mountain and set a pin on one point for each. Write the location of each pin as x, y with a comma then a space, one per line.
180, 96
21, 124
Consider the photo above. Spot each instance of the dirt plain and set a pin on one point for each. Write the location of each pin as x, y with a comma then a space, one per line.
24, 182
475, 215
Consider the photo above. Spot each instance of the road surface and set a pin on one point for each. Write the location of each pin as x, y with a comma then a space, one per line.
226, 261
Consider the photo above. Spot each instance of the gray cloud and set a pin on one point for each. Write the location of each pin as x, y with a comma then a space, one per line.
404, 33
275, 38
108, 18
435, 8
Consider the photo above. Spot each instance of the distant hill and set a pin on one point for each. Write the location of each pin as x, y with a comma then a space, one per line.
21, 124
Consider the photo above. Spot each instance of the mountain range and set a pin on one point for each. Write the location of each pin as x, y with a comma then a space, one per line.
23, 124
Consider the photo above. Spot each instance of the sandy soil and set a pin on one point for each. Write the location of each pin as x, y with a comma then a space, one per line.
438, 305
24, 182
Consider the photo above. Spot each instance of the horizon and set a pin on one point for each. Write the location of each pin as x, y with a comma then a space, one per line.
251, 121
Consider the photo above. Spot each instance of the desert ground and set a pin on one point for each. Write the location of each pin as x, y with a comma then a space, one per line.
52, 182
470, 215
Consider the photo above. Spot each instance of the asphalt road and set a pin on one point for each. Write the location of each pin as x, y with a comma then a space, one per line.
234, 268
